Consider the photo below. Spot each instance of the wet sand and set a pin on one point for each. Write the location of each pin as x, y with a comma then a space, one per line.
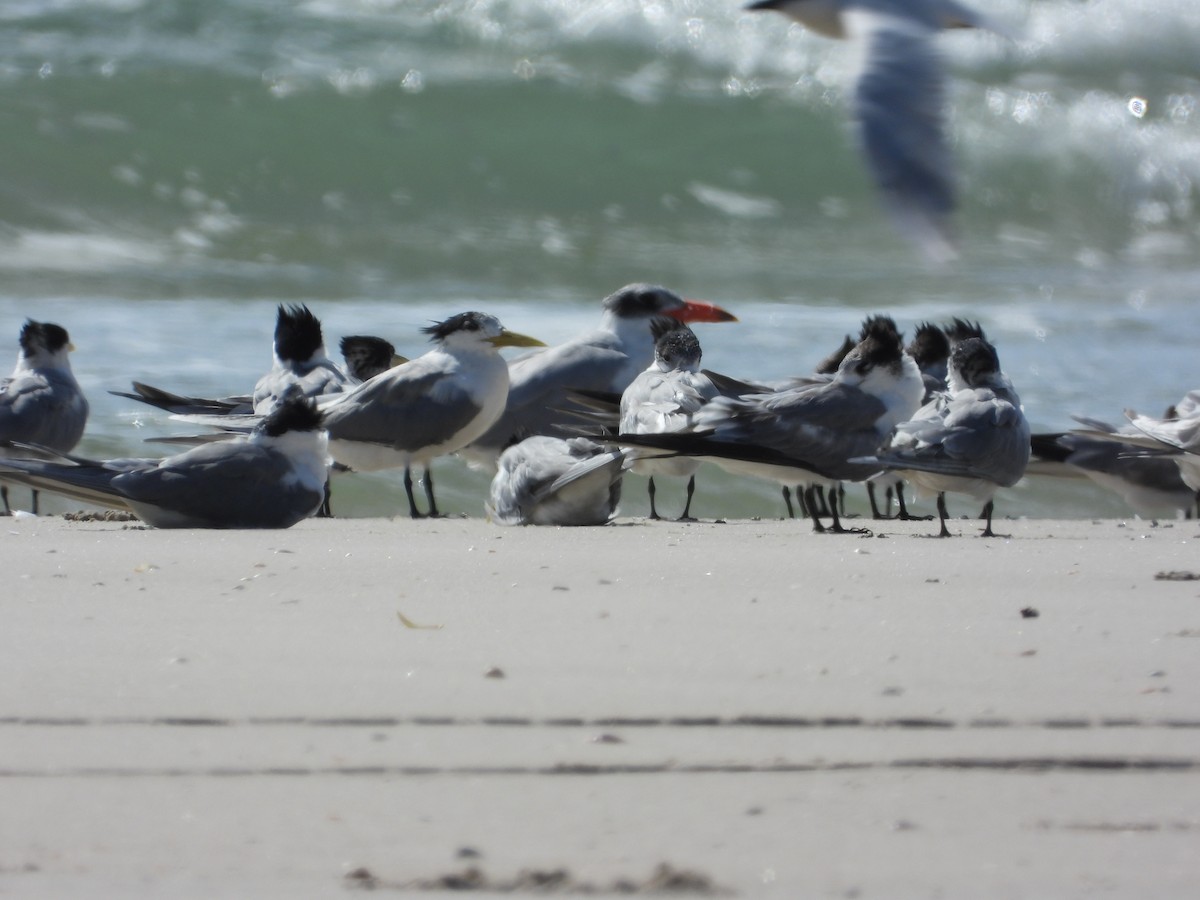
766, 712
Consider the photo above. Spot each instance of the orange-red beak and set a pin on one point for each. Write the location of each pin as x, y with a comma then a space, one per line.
701, 311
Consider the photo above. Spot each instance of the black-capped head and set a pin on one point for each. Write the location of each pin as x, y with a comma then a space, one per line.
463, 323
642, 301
297, 333
962, 329
294, 413
679, 348
43, 337
882, 327
975, 361
638, 301
881, 346
833, 361
930, 346
366, 355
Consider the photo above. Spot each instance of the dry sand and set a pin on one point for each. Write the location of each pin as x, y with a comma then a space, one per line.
357, 704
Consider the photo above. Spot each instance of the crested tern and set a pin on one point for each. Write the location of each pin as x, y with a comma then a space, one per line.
431, 406
41, 402
972, 439
272, 478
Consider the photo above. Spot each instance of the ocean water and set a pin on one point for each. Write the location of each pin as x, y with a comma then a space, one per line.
170, 171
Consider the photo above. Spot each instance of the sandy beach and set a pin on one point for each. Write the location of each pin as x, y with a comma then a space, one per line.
744, 708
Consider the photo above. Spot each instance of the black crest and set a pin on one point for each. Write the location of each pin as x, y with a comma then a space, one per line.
975, 360
961, 330
297, 333
467, 321
39, 336
929, 345
296, 413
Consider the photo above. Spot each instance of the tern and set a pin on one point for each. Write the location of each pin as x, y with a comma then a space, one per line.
546, 480
366, 356
1177, 438
431, 406
41, 402
665, 399
898, 100
606, 359
272, 478
972, 439
813, 432
1147, 481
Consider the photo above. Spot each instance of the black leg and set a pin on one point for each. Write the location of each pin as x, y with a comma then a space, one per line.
802, 500
941, 508
987, 513
816, 498
875, 513
433, 510
33, 501
904, 515
687, 507
4, 497
412, 502
653, 511
326, 512
810, 502
787, 499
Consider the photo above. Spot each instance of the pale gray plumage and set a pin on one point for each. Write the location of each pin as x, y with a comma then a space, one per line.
1148, 481
971, 439
547, 480
811, 433
272, 478
604, 359
665, 399
41, 402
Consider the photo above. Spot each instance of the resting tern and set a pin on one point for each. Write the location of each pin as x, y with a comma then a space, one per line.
1148, 481
606, 359
547, 480
271, 478
972, 439
1177, 438
665, 399
898, 100
812, 432
41, 402
428, 407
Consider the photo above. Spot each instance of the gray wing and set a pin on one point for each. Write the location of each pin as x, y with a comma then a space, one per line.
898, 108
86, 481
183, 405
234, 484
979, 436
550, 481
539, 386
823, 425
410, 412
43, 408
